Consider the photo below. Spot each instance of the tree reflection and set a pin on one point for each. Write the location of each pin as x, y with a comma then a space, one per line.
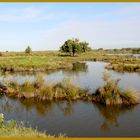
41, 107
66, 107
111, 114
79, 67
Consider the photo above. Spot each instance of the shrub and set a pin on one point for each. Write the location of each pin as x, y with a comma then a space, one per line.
39, 82
28, 50
111, 94
130, 95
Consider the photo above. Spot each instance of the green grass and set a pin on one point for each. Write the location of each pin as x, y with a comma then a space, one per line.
13, 129
45, 60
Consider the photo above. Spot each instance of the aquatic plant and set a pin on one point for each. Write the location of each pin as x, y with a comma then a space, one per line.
64, 89
112, 94
124, 66
109, 94
39, 82
130, 95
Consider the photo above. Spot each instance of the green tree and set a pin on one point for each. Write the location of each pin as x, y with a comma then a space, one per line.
100, 49
28, 50
84, 46
73, 46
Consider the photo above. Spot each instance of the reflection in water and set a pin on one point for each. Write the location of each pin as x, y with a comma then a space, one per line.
79, 67
111, 114
69, 117
42, 107
26, 73
7, 106
21, 77
66, 107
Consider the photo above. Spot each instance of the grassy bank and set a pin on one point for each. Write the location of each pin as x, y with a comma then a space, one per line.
109, 94
12, 129
46, 60
124, 66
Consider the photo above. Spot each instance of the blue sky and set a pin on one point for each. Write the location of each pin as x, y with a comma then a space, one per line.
45, 26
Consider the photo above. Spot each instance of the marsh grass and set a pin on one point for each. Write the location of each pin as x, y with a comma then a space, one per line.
68, 89
130, 95
124, 66
39, 82
112, 94
50, 60
42, 90
109, 94
12, 129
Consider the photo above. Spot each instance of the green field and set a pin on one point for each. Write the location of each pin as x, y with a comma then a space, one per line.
48, 60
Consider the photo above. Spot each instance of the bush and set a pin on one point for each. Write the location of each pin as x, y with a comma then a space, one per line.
28, 50
111, 94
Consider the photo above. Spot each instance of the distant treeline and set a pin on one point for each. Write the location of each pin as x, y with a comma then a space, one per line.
122, 50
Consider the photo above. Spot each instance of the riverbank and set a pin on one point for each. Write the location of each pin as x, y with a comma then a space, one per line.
52, 60
13, 129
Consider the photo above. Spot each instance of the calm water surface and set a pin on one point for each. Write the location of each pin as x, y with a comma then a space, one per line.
76, 119
122, 54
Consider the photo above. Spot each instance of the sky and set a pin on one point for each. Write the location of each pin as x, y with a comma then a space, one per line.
45, 26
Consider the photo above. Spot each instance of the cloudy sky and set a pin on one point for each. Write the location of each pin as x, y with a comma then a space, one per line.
45, 26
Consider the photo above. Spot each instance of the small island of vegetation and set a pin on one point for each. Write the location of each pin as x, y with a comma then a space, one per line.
109, 94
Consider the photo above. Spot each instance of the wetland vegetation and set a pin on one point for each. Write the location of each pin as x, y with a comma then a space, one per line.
13, 129
109, 94
112, 94
42, 95
50, 60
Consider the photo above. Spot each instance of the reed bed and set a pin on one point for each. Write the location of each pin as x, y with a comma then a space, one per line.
112, 94
109, 94
42, 90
